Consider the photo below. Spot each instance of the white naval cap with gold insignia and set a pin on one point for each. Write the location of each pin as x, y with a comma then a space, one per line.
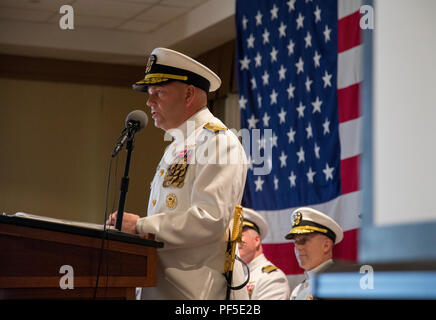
166, 65
254, 220
307, 220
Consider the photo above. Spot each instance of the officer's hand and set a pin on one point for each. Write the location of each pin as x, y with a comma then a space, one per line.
129, 222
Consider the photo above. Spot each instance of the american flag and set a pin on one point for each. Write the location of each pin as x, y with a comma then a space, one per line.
298, 65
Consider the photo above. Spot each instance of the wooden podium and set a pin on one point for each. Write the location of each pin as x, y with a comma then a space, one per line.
33, 252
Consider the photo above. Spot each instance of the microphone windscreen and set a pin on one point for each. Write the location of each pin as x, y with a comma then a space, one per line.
138, 116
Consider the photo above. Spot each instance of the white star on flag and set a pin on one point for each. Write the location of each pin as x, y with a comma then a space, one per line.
259, 182
300, 155
300, 20
259, 18
258, 60
316, 59
290, 47
291, 135
326, 126
265, 78
300, 110
317, 105
283, 158
326, 33
282, 73
282, 116
242, 102
273, 97
274, 12
266, 119
282, 30
317, 14
244, 63
273, 54
292, 179
265, 36
290, 91
250, 41
252, 122
327, 79
328, 172
291, 5
300, 65
310, 175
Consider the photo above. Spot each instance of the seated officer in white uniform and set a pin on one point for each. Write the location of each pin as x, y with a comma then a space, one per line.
197, 183
267, 282
314, 235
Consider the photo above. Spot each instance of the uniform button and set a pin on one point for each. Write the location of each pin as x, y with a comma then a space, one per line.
306, 284
161, 172
153, 202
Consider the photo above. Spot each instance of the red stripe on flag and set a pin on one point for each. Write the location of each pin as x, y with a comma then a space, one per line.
348, 103
283, 256
347, 249
349, 32
350, 174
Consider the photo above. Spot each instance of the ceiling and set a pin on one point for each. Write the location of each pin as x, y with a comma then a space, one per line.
116, 31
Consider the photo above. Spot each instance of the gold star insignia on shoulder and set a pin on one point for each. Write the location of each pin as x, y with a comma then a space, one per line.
214, 127
268, 269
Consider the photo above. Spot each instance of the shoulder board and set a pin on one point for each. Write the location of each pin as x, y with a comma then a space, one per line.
214, 127
270, 268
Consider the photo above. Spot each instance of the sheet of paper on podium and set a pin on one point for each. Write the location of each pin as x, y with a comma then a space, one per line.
61, 221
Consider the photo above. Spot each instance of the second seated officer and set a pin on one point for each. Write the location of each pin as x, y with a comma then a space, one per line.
197, 183
314, 235
267, 282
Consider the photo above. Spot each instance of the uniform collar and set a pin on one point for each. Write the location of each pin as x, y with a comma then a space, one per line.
256, 262
309, 274
188, 127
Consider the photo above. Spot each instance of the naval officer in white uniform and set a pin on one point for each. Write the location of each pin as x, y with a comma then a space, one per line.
197, 183
267, 282
314, 235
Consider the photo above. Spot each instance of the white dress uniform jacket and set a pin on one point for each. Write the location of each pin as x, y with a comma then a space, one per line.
190, 210
267, 282
304, 290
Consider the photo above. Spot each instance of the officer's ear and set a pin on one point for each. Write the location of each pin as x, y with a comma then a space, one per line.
257, 239
190, 94
328, 244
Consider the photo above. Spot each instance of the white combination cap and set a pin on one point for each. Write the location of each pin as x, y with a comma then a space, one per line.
254, 220
165, 65
307, 220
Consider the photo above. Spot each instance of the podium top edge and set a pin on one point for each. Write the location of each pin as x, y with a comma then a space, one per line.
107, 234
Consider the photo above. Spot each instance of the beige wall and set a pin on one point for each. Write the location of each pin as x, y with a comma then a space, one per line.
55, 145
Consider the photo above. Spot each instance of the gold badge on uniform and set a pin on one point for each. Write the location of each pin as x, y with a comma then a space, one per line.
176, 174
296, 219
214, 127
269, 268
171, 201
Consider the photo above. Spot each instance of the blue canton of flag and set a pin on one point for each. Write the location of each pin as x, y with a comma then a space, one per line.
287, 76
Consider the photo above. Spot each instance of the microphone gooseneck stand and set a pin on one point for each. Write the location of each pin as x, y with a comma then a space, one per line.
125, 179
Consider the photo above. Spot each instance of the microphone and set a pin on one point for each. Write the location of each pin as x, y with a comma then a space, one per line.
135, 121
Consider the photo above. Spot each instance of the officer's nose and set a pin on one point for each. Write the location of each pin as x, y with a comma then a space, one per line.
149, 101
